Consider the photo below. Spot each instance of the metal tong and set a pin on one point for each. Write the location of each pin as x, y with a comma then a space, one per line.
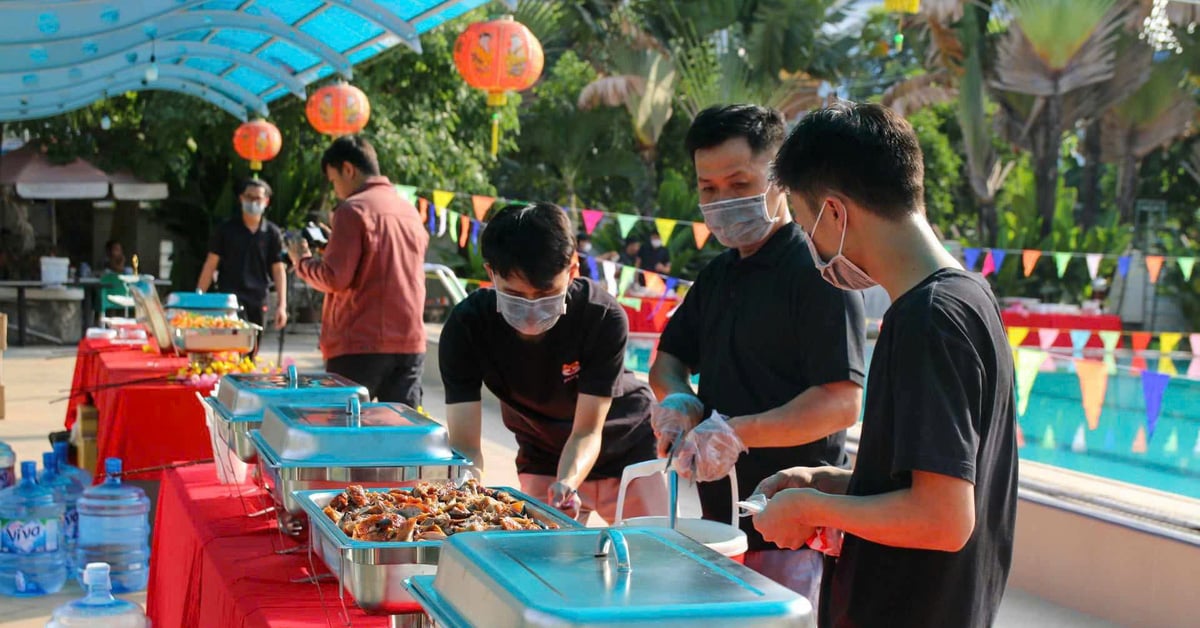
673, 482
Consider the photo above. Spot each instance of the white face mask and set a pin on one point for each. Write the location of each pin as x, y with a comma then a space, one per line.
839, 270
738, 222
531, 317
253, 208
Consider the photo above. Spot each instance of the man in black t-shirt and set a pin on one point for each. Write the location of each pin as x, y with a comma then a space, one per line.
778, 350
928, 512
246, 253
551, 347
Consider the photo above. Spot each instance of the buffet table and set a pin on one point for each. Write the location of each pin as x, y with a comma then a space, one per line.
214, 566
87, 370
650, 317
1063, 322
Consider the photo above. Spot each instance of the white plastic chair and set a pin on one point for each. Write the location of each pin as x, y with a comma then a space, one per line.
689, 495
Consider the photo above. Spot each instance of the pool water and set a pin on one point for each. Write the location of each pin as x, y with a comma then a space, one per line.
1054, 417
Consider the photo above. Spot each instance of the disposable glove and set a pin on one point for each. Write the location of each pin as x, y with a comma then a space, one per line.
674, 415
709, 451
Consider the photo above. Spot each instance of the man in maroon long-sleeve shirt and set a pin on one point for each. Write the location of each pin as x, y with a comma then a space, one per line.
373, 277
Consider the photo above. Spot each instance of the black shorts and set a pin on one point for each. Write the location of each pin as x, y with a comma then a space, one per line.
394, 377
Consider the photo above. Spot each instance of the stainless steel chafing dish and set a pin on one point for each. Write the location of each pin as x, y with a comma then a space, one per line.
324, 446
149, 310
241, 398
635, 577
216, 340
374, 572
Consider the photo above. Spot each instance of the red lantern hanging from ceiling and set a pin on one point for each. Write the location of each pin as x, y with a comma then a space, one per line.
498, 56
257, 141
338, 109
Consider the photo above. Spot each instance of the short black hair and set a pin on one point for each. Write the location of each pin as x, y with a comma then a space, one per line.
253, 183
583, 237
108, 246
866, 152
762, 127
536, 241
354, 150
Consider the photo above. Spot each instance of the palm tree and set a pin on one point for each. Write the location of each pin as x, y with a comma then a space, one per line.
1051, 49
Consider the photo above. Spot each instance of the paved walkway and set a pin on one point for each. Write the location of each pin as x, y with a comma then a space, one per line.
34, 376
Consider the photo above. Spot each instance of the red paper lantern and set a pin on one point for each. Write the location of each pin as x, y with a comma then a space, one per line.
257, 141
338, 109
498, 56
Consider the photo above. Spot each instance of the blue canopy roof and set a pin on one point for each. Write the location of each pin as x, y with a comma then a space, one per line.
56, 56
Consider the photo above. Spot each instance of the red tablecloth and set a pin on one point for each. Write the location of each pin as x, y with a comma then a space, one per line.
87, 371
652, 315
211, 565
1064, 322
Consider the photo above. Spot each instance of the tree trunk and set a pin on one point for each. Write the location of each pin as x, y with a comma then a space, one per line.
648, 191
1127, 176
1089, 184
1047, 142
989, 226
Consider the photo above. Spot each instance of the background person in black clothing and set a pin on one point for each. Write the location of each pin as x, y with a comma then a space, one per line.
778, 350
928, 511
551, 347
246, 252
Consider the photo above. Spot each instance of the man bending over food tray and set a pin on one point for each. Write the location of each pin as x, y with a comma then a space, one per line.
551, 346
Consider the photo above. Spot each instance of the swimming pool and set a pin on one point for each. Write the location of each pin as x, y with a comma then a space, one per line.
1054, 421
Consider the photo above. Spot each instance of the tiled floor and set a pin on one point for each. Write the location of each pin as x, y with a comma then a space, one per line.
34, 376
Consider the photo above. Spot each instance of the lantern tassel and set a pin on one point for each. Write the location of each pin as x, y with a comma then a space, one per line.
255, 165
495, 135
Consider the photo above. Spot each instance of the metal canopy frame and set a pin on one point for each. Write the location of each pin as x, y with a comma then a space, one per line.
239, 55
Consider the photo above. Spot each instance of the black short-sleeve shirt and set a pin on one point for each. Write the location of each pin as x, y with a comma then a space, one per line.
538, 382
939, 400
246, 259
760, 331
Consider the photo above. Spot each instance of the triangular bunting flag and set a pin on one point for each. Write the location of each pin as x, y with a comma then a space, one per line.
1110, 340
1093, 264
593, 270
628, 273
970, 257
481, 205
654, 283
1110, 363
1048, 438
665, 227
442, 199
1140, 340
1079, 340
626, 223
1154, 264
1123, 265
671, 284
1194, 339
989, 264
1047, 337
632, 302
1166, 366
1093, 385
452, 227
1060, 261
423, 208
1185, 266
1029, 362
1193, 371
1153, 387
1168, 340
475, 233
464, 233
700, 232
1139, 441
1138, 364
443, 220
1172, 444
407, 192
998, 257
1016, 335
591, 218
1079, 443
1029, 260
610, 276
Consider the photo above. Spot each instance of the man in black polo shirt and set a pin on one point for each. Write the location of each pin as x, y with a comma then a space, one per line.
246, 252
778, 350
551, 346
928, 512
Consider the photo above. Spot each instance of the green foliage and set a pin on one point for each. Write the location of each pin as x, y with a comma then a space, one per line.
943, 165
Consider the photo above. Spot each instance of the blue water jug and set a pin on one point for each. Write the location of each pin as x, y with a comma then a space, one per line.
8, 466
32, 560
98, 608
68, 469
69, 489
113, 529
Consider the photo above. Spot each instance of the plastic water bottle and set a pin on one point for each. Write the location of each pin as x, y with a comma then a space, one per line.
8, 466
69, 489
66, 468
113, 529
98, 608
32, 560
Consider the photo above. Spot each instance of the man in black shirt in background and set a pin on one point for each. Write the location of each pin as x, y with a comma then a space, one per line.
928, 511
246, 252
551, 346
778, 350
